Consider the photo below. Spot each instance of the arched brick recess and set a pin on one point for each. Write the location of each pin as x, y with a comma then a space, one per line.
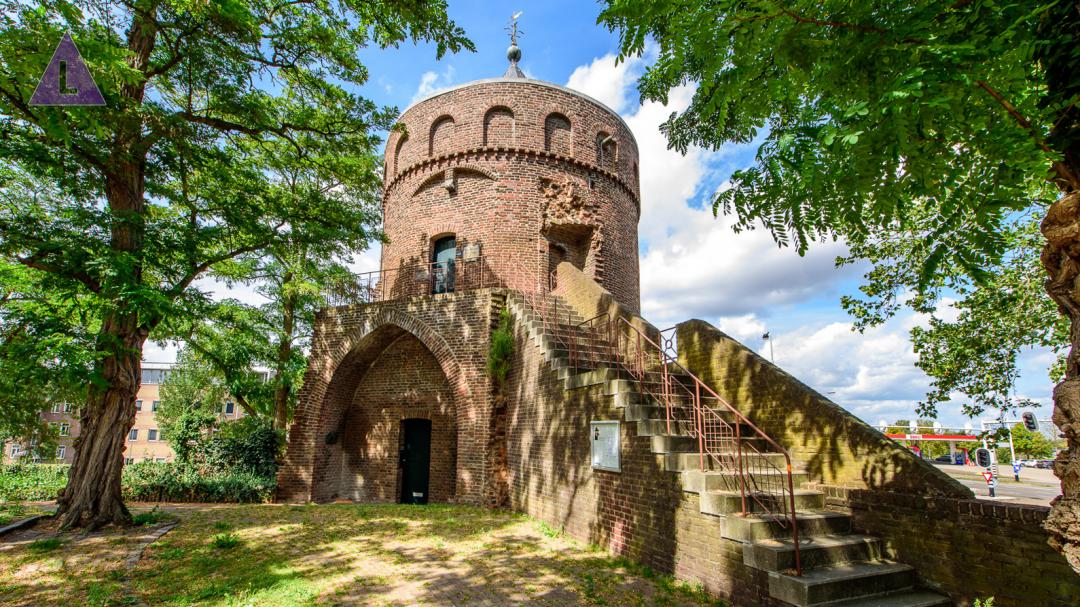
313, 463
558, 134
441, 139
499, 127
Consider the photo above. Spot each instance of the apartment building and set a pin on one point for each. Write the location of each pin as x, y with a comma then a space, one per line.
144, 441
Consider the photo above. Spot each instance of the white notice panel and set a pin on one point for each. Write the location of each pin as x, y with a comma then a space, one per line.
604, 437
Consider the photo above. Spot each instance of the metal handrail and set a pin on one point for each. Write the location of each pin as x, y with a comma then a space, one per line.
716, 435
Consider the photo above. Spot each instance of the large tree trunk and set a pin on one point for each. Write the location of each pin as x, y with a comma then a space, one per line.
1061, 258
92, 496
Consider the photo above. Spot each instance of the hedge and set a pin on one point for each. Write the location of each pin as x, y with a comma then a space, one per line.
143, 482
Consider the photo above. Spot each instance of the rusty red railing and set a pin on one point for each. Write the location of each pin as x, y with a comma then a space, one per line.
724, 435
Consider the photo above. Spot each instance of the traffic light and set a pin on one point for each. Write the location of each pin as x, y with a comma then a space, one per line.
1030, 422
982, 457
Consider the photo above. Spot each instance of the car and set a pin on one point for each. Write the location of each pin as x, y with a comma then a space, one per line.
1045, 463
943, 459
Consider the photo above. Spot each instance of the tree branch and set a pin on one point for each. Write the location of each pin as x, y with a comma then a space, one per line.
1060, 168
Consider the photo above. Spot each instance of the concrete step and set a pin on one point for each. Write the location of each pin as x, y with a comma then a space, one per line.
590, 377
764, 526
831, 584
723, 503
816, 552
670, 444
903, 598
656, 427
576, 378
696, 481
677, 462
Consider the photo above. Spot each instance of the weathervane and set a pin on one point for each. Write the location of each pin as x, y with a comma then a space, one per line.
513, 28
514, 53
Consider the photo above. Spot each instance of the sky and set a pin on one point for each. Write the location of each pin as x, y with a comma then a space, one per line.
692, 264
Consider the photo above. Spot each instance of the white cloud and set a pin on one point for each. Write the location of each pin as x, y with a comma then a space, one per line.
433, 82
694, 265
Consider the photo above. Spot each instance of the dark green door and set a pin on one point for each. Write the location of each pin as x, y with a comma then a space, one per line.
415, 460
442, 268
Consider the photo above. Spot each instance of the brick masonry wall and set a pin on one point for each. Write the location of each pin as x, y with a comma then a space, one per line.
404, 382
348, 344
511, 194
641, 512
967, 548
830, 443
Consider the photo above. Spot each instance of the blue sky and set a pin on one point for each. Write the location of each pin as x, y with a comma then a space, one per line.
693, 265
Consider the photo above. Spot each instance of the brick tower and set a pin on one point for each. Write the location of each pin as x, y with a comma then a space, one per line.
489, 185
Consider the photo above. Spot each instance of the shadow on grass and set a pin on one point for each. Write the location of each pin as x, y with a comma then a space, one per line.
383, 555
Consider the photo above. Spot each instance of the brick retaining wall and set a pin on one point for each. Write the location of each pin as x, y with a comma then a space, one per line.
967, 548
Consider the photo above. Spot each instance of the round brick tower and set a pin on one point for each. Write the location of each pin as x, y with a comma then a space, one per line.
506, 178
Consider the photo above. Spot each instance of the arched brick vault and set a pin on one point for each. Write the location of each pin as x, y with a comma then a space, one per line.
313, 467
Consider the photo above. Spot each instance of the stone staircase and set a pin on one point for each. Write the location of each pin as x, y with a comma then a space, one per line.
840, 568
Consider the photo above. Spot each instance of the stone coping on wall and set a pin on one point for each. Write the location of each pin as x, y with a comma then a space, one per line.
844, 497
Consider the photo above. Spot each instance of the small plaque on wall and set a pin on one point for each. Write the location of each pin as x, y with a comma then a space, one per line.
470, 252
604, 436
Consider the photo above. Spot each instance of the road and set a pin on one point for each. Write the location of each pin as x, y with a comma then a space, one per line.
1036, 486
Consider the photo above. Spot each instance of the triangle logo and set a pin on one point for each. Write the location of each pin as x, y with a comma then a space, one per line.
67, 80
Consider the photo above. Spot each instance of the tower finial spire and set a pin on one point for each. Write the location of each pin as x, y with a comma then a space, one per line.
514, 52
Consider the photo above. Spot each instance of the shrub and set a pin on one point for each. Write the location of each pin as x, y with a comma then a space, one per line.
225, 540
249, 445
172, 482
501, 349
143, 482
32, 482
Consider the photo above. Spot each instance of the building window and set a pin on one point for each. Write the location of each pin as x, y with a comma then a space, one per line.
153, 405
61, 451
134, 434
65, 429
16, 450
151, 434
67, 407
443, 254
229, 407
159, 460
56, 408
138, 405
154, 376
129, 460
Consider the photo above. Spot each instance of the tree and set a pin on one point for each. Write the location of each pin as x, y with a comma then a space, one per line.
162, 184
191, 398
918, 120
237, 338
1031, 445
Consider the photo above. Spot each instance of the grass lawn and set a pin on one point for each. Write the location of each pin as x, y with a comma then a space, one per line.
340, 554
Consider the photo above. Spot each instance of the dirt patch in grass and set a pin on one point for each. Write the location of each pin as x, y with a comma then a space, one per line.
385, 555
42, 566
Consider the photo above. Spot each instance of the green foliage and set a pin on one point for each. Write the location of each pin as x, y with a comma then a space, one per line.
172, 482
225, 540
115, 212
1031, 445
248, 445
32, 482
153, 517
923, 134
501, 351
46, 545
191, 400
143, 481
984, 602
